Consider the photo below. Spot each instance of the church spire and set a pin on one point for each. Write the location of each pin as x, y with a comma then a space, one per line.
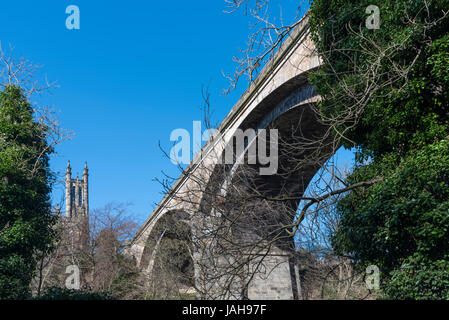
68, 191
85, 170
85, 194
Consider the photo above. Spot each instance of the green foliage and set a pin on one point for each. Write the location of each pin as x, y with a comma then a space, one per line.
402, 112
398, 77
57, 293
420, 278
401, 224
25, 214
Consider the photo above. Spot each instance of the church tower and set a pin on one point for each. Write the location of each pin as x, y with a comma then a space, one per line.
77, 209
77, 194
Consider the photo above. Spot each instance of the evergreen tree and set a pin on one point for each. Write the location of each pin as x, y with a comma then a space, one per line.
389, 88
25, 213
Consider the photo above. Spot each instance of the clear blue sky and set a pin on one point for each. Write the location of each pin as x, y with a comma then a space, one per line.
128, 77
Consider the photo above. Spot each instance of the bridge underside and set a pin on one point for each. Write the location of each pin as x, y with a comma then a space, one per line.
194, 251
222, 230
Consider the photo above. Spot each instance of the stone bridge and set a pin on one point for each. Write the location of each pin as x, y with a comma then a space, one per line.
281, 94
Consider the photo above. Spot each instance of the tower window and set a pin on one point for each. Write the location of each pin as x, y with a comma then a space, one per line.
80, 195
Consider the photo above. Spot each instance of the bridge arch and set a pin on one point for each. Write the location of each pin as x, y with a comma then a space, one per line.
280, 98
167, 257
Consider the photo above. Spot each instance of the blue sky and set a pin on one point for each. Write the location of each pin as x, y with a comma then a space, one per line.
128, 77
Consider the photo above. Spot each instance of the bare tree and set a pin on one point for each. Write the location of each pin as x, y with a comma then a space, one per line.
110, 270
96, 247
70, 247
268, 33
